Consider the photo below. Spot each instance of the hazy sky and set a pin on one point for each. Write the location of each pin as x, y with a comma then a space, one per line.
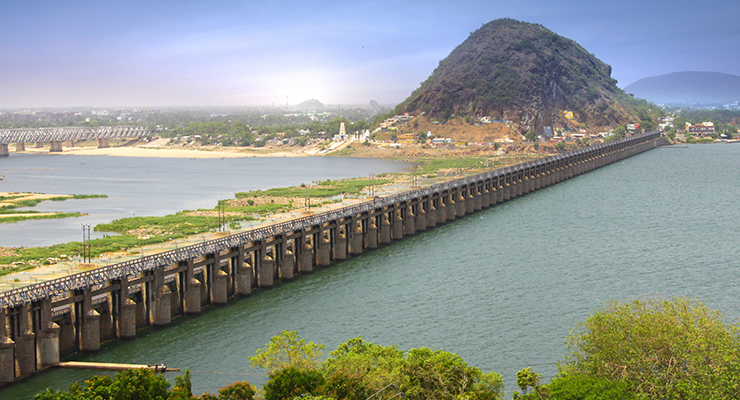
200, 53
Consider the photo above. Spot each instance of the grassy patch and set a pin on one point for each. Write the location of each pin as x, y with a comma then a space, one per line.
324, 189
28, 215
699, 140
21, 200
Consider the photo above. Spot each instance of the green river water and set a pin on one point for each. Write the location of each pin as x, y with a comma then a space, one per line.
502, 287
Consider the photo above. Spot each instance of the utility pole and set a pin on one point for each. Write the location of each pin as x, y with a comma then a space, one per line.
308, 194
372, 185
221, 216
86, 244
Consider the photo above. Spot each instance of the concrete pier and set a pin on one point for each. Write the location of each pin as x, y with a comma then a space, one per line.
7, 352
55, 146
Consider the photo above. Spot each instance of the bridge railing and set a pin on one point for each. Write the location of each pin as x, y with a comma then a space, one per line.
102, 275
30, 135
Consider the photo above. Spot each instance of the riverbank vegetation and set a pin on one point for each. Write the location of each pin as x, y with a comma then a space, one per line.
130, 234
641, 349
11, 202
134, 232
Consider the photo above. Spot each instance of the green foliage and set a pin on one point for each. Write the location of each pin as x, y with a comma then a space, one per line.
530, 136
662, 348
287, 350
31, 215
699, 140
581, 387
647, 126
234, 391
341, 385
143, 384
356, 370
183, 387
528, 380
619, 132
375, 363
291, 382
132, 384
436, 374
324, 189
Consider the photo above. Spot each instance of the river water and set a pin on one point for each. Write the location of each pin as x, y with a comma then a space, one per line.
146, 186
502, 287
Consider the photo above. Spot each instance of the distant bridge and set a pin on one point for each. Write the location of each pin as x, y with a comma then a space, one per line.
56, 136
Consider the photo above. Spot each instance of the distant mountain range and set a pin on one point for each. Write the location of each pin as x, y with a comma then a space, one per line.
688, 88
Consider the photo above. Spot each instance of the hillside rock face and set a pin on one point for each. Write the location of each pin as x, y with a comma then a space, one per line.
524, 73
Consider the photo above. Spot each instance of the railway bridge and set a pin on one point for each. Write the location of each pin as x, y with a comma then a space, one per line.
57, 136
41, 323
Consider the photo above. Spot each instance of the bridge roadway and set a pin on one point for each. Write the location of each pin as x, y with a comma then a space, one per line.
57, 136
46, 321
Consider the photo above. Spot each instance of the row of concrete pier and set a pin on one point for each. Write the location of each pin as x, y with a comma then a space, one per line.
59, 136
43, 324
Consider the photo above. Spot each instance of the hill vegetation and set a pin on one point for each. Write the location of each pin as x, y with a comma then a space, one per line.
525, 73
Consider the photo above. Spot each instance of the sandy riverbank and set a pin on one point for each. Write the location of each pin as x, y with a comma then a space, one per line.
166, 152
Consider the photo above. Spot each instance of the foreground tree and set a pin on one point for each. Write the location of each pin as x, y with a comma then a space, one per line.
358, 370
143, 384
287, 350
132, 384
667, 349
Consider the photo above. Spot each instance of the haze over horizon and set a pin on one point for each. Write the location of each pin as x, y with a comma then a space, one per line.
228, 53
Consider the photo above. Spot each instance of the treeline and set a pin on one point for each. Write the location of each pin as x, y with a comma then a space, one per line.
236, 133
655, 349
725, 121
280, 119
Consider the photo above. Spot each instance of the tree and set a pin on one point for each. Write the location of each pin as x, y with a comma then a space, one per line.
526, 379
663, 348
291, 382
237, 391
183, 387
619, 131
581, 387
132, 384
530, 136
647, 126
438, 374
357, 369
287, 350
378, 365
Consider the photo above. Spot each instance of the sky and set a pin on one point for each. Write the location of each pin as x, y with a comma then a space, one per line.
249, 53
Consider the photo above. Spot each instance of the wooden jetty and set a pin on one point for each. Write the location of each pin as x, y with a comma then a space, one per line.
113, 366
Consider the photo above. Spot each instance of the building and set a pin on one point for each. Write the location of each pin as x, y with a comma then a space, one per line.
703, 129
408, 138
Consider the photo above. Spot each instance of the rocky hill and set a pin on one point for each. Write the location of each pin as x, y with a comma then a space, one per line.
688, 88
526, 74
310, 105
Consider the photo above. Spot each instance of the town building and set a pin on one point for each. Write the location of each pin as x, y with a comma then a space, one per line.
703, 129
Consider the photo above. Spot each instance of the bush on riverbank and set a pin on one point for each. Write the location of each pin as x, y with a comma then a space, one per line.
324, 189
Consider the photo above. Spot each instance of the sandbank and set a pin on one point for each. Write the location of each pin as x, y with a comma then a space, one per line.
167, 153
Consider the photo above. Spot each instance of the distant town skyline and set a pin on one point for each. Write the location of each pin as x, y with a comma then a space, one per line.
244, 53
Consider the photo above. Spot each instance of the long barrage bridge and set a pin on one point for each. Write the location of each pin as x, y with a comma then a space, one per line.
56, 136
42, 322
102, 275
